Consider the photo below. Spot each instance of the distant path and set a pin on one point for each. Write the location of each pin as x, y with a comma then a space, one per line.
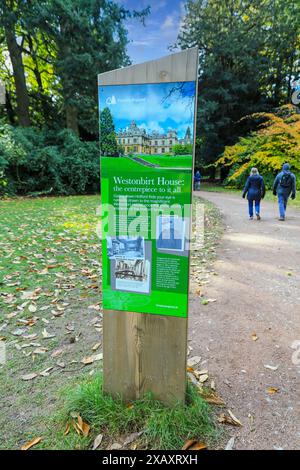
143, 162
258, 291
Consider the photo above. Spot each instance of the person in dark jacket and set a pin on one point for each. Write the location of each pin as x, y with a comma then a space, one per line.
197, 180
284, 186
255, 190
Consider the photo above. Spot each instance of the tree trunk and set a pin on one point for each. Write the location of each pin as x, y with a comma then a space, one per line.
19, 77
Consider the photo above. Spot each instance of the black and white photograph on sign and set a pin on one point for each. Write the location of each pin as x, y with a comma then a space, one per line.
133, 275
170, 233
124, 247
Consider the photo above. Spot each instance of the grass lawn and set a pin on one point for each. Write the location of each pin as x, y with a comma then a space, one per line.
268, 197
121, 164
50, 313
50, 305
178, 161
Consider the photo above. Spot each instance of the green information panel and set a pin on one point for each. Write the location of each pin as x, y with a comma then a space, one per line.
146, 141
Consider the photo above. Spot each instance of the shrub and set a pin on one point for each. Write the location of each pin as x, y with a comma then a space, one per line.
47, 161
277, 141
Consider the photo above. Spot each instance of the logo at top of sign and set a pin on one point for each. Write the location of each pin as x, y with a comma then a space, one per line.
296, 92
111, 100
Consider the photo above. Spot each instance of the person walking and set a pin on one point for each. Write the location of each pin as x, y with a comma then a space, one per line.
284, 186
255, 190
197, 180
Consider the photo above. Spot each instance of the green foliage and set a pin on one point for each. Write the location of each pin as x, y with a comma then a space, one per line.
276, 142
163, 427
248, 53
185, 149
47, 161
108, 138
62, 46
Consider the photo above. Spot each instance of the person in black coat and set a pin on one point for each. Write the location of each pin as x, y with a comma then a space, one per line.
255, 190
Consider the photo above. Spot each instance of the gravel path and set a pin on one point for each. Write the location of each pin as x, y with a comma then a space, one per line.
258, 296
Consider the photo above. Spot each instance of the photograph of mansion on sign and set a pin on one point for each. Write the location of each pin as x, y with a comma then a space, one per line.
135, 139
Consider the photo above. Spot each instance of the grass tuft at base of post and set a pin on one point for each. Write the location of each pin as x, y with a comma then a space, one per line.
163, 427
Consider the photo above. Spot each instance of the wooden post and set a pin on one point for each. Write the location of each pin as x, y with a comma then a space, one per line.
145, 352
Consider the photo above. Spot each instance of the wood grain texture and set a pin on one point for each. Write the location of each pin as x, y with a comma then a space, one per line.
179, 67
144, 352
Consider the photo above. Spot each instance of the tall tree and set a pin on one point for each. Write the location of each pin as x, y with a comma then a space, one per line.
245, 62
108, 141
90, 38
10, 11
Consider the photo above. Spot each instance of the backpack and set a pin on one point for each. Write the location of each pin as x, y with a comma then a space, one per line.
286, 180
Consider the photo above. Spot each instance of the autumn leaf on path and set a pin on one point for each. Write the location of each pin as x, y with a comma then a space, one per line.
273, 368
193, 361
231, 419
97, 441
214, 399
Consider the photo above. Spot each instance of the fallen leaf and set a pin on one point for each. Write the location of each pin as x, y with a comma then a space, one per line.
272, 390
32, 308
87, 360
97, 441
188, 444
193, 361
96, 346
203, 378
47, 335
230, 444
45, 372
237, 421
29, 376
33, 336
271, 367
254, 337
214, 399
198, 446
193, 444
224, 419
84, 427
31, 443
40, 351
67, 429
75, 426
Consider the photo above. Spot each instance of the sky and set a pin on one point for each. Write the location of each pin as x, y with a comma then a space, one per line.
161, 28
154, 107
